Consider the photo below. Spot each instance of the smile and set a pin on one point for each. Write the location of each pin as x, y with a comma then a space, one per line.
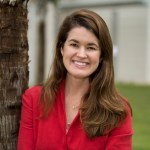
79, 63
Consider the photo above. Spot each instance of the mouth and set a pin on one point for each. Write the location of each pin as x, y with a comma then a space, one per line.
80, 63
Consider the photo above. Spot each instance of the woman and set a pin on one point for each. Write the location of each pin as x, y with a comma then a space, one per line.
78, 106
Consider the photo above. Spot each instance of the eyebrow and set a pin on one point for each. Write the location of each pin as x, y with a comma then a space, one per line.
89, 44
73, 40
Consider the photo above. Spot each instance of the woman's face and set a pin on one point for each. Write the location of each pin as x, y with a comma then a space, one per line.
81, 53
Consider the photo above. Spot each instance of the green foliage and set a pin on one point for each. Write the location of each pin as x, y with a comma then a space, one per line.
139, 98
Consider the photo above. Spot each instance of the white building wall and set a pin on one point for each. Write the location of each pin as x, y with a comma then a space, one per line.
50, 31
35, 17
33, 40
148, 46
132, 40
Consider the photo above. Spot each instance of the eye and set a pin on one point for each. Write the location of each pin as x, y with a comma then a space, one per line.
74, 45
91, 48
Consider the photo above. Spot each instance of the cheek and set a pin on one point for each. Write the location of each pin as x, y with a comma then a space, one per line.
97, 58
66, 59
96, 61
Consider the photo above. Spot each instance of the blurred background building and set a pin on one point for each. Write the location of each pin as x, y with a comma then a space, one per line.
128, 22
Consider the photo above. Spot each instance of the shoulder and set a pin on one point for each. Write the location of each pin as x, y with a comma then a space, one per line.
32, 94
34, 90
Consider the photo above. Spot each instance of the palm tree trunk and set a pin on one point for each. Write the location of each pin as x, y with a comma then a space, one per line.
13, 70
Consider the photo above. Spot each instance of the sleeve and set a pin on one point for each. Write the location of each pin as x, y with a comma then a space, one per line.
25, 139
120, 138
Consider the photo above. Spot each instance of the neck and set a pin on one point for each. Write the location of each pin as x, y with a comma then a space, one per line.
76, 87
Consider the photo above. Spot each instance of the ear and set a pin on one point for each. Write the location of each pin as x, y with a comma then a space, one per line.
62, 52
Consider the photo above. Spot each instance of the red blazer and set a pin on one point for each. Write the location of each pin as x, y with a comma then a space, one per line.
50, 133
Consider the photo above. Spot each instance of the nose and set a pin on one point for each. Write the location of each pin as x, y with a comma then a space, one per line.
82, 53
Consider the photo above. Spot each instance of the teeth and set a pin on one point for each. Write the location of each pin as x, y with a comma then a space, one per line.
80, 63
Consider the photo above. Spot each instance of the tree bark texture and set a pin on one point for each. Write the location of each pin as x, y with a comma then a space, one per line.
13, 70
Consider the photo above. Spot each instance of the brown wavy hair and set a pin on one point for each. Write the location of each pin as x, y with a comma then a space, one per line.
102, 108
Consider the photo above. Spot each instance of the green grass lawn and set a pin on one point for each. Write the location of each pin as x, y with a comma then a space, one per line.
139, 98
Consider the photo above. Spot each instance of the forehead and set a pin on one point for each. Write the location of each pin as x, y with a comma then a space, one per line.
82, 34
